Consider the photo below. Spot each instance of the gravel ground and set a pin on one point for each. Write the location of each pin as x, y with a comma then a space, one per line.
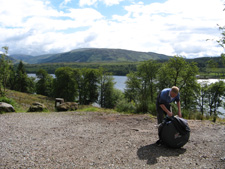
98, 140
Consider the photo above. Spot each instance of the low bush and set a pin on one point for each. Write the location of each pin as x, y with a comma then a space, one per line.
8, 100
124, 106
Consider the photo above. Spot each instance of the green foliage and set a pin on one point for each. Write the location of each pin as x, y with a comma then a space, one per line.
216, 92
141, 87
116, 68
178, 72
116, 97
189, 114
106, 90
223, 58
4, 71
202, 97
132, 87
44, 85
89, 83
124, 106
64, 84
152, 109
11, 84
8, 100
222, 39
22, 81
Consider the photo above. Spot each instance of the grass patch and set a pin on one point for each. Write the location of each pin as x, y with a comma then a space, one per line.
89, 108
25, 100
83, 108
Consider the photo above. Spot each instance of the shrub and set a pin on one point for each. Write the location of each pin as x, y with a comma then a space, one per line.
152, 109
8, 100
124, 106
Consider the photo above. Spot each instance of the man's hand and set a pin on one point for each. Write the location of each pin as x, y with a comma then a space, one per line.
170, 114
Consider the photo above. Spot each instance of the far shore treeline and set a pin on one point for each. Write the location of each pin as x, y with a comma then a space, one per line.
209, 67
87, 85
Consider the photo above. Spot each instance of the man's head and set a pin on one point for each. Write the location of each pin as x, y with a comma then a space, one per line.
174, 91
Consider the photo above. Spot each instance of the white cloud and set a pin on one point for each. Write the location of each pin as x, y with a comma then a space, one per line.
64, 3
87, 2
174, 27
36, 28
106, 2
165, 26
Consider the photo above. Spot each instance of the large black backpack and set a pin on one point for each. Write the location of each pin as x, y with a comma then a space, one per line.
174, 132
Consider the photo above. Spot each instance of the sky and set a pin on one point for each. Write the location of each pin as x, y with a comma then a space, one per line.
187, 28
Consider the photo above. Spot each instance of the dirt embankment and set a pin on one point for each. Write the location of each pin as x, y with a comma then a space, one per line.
97, 140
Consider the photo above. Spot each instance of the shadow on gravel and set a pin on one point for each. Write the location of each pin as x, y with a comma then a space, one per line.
152, 152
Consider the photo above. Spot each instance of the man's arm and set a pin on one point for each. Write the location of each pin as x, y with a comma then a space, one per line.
179, 109
169, 113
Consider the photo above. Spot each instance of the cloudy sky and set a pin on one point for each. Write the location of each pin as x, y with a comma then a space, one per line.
172, 27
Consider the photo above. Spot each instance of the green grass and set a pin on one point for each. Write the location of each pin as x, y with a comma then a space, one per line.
25, 100
89, 108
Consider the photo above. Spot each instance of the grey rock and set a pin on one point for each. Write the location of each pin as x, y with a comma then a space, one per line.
37, 107
67, 106
5, 107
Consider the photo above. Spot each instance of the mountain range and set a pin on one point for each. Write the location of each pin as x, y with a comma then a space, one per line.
91, 55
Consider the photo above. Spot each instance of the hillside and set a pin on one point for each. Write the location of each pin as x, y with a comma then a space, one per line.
95, 55
10, 58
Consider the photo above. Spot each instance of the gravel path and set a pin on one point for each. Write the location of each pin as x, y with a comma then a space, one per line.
98, 140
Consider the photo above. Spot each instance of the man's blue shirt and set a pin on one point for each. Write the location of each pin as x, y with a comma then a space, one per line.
165, 97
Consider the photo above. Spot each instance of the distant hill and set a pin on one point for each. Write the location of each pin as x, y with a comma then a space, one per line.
203, 61
104, 55
94, 55
18, 57
10, 58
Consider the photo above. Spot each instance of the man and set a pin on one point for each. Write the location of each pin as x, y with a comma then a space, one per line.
164, 99
163, 107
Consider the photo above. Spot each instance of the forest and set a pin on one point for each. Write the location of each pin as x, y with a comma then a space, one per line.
209, 67
144, 81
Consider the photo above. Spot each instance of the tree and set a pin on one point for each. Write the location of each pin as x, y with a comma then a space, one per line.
221, 42
79, 82
141, 86
4, 71
12, 79
147, 72
211, 64
174, 70
202, 96
90, 85
163, 78
87, 82
216, 92
106, 90
22, 80
45, 83
65, 85
132, 87
178, 72
223, 58
188, 86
